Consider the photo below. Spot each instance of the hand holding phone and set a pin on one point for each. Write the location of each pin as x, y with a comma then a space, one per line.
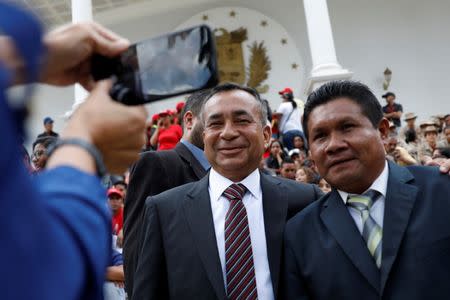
162, 67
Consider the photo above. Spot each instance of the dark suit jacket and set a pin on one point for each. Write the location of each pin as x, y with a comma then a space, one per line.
154, 173
179, 258
326, 257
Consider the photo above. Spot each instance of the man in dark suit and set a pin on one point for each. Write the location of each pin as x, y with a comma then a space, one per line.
221, 237
384, 230
156, 172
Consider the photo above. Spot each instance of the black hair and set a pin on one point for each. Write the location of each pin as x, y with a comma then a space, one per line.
353, 90
410, 136
286, 160
445, 151
228, 86
290, 98
302, 136
44, 141
194, 104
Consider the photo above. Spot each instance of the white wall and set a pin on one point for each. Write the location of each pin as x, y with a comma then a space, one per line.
408, 36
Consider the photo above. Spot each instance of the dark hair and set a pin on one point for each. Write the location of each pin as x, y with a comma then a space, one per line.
290, 98
410, 135
269, 110
286, 160
194, 104
226, 87
275, 141
445, 151
353, 90
44, 141
302, 136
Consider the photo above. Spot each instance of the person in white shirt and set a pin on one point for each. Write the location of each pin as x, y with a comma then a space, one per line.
290, 118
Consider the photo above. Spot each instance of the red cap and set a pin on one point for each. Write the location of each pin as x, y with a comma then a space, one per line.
286, 91
155, 117
164, 113
114, 191
179, 106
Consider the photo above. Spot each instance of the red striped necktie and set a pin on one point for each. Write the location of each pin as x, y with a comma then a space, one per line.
240, 271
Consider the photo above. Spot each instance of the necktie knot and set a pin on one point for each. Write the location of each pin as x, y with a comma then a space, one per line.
362, 202
236, 191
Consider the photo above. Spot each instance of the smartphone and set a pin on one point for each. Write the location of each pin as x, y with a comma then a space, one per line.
162, 67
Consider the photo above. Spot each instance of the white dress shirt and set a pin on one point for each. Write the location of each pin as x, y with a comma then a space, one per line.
377, 209
253, 204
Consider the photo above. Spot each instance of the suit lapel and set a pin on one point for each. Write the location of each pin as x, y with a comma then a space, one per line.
187, 155
198, 213
275, 207
343, 228
399, 202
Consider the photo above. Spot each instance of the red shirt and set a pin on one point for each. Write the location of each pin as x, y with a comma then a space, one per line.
117, 221
168, 138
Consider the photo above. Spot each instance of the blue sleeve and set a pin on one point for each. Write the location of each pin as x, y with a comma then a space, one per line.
55, 230
55, 237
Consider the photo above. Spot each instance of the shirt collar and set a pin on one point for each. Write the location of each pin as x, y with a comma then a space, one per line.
218, 183
379, 185
198, 154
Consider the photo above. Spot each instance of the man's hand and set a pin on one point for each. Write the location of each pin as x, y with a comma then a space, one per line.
401, 155
442, 163
70, 49
118, 131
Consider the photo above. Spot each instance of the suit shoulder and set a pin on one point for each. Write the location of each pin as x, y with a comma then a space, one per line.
154, 155
172, 196
424, 171
429, 175
307, 216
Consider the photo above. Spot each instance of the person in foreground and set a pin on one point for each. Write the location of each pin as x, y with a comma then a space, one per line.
56, 239
384, 230
221, 237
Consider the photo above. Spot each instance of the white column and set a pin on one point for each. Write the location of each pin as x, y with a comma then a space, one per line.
81, 12
325, 65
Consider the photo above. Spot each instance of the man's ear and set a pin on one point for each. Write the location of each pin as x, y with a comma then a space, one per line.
267, 132
188, 120
383, 128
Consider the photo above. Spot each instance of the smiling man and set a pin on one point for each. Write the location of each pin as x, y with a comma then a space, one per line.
221, 237
383, 232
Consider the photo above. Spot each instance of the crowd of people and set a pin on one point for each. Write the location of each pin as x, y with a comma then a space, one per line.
327, 199
287, 155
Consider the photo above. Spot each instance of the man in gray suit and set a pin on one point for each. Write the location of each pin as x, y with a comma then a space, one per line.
221, 237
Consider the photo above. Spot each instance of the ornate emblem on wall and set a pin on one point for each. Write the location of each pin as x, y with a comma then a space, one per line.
231, 59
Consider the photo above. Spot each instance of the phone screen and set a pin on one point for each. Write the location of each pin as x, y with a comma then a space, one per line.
173, 64
165, 66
